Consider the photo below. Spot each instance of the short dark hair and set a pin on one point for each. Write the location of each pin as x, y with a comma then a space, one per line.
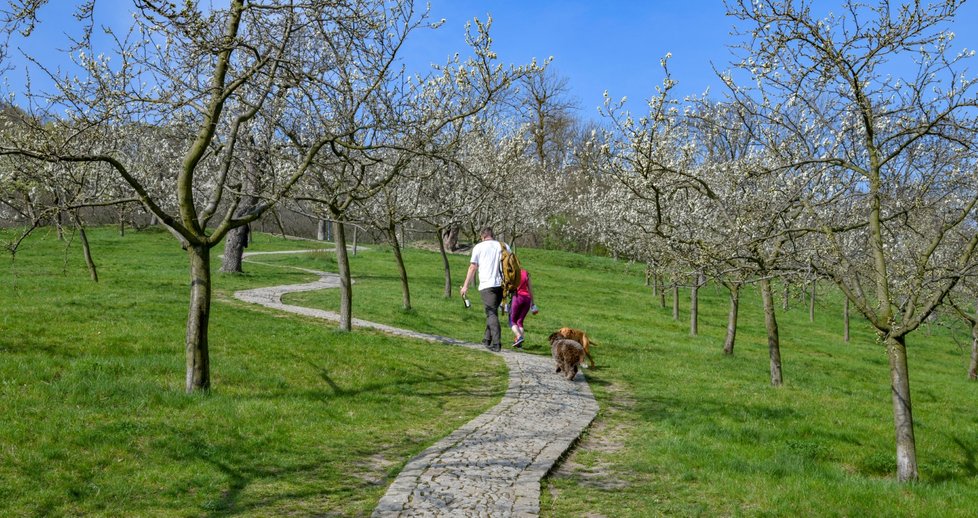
486, 232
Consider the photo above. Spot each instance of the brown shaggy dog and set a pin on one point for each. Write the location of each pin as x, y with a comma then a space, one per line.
580, 337
567, 353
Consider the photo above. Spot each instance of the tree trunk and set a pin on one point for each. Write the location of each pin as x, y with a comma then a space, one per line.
401, 269
442, 233
450, 238
662, 291
811, 301
198, 360
786, 294
59, 224
906, 446
321, 230
728, 344
59, 218
278, 222
122, 222
356, 236
675, 302
87, 252
973, 364
773, 339
86, 249
234, 244
238, 238
845, 321
694, 305
346, 285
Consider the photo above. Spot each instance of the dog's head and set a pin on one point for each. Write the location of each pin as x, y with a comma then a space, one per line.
575, 334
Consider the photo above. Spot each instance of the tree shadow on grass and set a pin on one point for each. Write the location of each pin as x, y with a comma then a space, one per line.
242, 475
746, 421
419, 377
969, 455
335, 391
941, 470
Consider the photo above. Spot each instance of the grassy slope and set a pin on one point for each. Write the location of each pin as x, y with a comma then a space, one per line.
686, 431
303, 420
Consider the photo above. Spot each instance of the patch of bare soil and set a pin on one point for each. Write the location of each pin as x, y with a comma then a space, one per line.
373, 469
433, 247
606, 436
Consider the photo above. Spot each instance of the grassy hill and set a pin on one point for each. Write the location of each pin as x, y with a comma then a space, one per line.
686, 431
302, 419
306, 420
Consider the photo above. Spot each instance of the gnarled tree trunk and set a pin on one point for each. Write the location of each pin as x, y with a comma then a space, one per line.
237, 239
234, 245
449, 237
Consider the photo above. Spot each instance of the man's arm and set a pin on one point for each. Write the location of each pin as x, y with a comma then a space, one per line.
469, 275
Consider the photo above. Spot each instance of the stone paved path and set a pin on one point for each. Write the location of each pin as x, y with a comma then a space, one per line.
491, 466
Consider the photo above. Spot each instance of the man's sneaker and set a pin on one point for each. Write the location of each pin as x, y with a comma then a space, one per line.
518, 343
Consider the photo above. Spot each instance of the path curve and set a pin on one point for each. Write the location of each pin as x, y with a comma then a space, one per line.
492, 465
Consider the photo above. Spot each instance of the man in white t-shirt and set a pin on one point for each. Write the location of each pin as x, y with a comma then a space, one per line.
486, 257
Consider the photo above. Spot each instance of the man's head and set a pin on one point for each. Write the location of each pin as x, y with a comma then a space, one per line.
486, 233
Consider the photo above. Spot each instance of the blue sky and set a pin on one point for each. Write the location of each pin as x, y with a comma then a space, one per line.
600, 45
612, 45
616, 45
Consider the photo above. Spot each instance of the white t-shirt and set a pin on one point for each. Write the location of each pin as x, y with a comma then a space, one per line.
487, 256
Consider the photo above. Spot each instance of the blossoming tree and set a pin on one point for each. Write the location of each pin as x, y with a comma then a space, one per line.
882, 114
209, 80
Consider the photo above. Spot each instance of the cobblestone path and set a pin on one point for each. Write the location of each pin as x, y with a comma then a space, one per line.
491, 466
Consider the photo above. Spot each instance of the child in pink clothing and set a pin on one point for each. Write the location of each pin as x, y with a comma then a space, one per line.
522, 301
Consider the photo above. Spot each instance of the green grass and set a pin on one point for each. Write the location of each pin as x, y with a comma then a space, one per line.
686, 431
302, 419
